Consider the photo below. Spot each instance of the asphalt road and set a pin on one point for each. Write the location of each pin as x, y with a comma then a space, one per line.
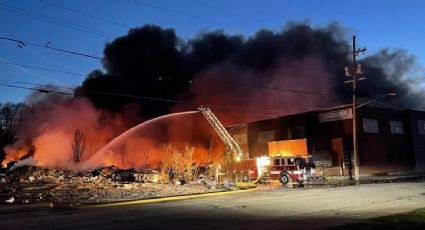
264, 208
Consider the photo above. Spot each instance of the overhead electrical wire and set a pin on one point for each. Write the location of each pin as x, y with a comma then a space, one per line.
86, 14
265, 87
56, 21
198, 77
51, 89
48, 45
11, 84
173, 11
60, 22
36, 84
41, 68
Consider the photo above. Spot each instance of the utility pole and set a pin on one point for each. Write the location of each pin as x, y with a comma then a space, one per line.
354, 71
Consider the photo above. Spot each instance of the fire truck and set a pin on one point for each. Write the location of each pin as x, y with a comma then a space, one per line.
287, 161
286, 169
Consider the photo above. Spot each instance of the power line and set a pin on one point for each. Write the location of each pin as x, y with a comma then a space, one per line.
231, 12
85, 14
195, 106
48, 45
265, 87
35, 84
33, 89
56, 21
50, 89
201, 78
147, 98
173, 11
41, 68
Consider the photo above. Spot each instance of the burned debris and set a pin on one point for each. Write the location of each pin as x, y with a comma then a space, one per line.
32, 184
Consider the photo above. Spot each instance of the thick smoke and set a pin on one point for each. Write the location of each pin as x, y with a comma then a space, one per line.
151, 72
47, 129
147, 63
233, 73
393, 71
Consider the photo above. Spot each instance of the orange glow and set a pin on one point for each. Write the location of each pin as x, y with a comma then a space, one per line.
15, 154
51, 133
288, 148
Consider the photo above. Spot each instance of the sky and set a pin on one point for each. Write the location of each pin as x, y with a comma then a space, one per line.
86, 26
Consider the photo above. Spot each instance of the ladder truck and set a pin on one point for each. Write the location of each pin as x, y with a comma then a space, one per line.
229, 142
232, 147
287, 169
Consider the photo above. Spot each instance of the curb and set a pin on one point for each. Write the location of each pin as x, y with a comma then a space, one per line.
164, 199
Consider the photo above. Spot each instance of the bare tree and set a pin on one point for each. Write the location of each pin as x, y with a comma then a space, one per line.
177, 162
10, 122
78, 145
146, 155
123, 152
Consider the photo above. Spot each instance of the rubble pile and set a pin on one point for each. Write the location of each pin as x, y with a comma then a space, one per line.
31, 184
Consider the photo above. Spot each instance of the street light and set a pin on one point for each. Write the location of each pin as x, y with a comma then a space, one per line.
375, 99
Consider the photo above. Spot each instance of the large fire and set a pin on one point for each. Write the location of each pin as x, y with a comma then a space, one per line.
50, 132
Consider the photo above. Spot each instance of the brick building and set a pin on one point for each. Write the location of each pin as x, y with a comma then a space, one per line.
390, 138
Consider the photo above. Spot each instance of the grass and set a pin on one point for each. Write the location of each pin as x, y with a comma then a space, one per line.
409, 220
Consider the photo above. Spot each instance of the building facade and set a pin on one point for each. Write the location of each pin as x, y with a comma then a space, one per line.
390, 139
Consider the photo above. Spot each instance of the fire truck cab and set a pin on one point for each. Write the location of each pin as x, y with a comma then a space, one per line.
287, 169
290, 169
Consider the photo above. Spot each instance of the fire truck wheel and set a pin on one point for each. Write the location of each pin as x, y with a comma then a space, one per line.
284, 178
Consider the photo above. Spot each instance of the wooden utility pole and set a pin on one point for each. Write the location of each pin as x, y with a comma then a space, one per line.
354, 71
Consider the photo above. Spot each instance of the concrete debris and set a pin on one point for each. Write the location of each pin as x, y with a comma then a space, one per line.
228, 185
31, 184
10, 200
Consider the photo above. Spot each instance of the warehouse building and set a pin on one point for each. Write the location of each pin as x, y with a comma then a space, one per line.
391, 139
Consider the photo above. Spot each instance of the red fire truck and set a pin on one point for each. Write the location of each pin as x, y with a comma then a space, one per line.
287, 160
287, 169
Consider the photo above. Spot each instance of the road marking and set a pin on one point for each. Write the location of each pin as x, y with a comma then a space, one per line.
164, 199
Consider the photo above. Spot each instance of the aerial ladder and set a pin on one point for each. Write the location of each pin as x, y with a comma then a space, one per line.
229, 142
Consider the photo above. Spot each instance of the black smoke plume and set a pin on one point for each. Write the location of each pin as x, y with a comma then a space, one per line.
156, 63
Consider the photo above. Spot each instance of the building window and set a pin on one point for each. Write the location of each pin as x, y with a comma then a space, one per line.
241, 138
396, 127
298, 132
265, 136
370, 125
421, 127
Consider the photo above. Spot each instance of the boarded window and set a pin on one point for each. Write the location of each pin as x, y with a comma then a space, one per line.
265, 136
298, 132
241, 138
421, 127
370, 125
321, 158
396, 127
336, 115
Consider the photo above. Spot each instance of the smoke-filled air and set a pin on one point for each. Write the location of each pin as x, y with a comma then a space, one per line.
144, 101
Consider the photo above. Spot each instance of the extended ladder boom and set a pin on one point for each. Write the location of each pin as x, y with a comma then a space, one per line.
221, 131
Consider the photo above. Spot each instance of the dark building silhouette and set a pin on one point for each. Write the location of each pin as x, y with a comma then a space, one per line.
391, 139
